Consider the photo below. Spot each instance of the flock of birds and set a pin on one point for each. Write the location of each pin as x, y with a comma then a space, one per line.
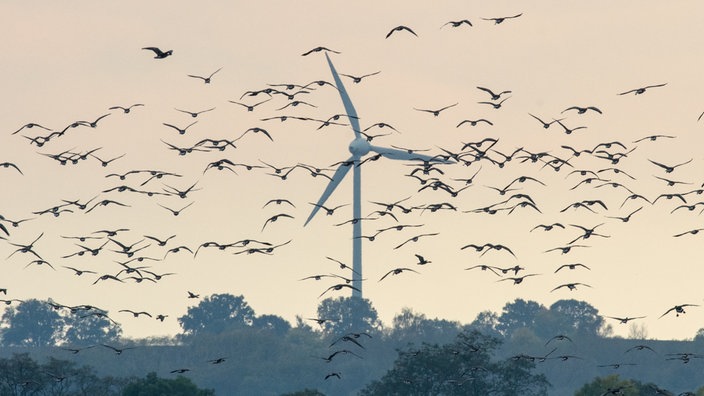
133, 255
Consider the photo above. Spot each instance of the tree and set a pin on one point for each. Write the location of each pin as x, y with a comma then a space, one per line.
614, 384
273, 323
348, 314
216, 314
153, 385
305, 392
90, 330
21, 375
486, 323
518, 314
464, 367
31, 323
578, 317
409, 326
638, 331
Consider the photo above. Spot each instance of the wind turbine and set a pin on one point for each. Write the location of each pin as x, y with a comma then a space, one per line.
359, 147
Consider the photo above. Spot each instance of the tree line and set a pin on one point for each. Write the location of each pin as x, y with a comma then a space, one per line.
226, 348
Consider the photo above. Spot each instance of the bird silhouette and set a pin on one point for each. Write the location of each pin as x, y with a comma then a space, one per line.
517, 280
570, 286
275, 218
399, 29
678, 309
436, 112
626, 319
415, 239
127, 109
158, 53
339, 286
582, 110
499, 20
206, 80
641, 90
195, 114
494, 96
455, 24
358, 79
319, 49
181, 131
397, 271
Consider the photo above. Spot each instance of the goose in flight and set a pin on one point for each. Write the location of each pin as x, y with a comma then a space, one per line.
499, 20
494, 96
158, 53
397, 271
339, 286
572, 266
206, 79
570, 286
641, 90
679, 309
455, 24
358, 79
625, 319
517, 280
670, 168
318, 49
582, 110
401, 28
127, 109
436, 112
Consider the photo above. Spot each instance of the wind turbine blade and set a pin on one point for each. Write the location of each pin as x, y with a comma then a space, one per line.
336, 179
397, 154
349, 107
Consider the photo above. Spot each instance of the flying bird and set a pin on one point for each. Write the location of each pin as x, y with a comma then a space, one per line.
570, 286
11, 165
181, 131
159, 54
496, 105
436, 112
318, 49
397, 271
499, 20
249, 107
276, 217
127, 109
415, 239
400, 28
30, 126
517, 280
339, 286
494, 96
457, 23
176, 212
642, 90
679, 309
625, 319
358, 79
205, 79
572, 266
582, 110
670, 168
195, 114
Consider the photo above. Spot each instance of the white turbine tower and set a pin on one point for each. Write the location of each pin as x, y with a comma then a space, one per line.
359, 147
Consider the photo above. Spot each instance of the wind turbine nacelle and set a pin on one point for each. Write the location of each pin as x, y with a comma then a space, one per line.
360, 147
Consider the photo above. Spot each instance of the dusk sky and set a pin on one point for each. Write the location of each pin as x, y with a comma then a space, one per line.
65, 62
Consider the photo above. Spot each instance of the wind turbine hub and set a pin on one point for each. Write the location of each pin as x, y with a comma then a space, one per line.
360, 147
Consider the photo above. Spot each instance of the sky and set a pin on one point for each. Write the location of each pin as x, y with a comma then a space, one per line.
72, 61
